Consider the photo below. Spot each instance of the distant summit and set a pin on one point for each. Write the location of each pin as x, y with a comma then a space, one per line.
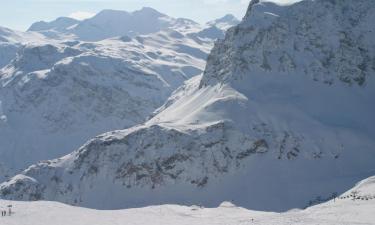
116, 23
60, 24
225, 22
110, 23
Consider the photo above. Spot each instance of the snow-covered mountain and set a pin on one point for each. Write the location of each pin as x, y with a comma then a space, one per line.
56, 91
225, 22
61, 24
56, 96
11, 41
57, 29
282, 116
343, 210
113, 23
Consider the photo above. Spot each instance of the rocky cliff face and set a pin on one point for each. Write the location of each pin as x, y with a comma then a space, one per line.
282, 115
330, 44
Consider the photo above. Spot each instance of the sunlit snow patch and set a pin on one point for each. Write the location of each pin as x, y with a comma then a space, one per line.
282, 2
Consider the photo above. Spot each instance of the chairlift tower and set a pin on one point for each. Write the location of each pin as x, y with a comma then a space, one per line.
10, 210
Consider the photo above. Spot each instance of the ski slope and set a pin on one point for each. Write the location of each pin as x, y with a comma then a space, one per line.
339, 211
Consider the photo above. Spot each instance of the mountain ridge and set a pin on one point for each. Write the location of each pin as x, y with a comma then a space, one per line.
56, 92
104, 25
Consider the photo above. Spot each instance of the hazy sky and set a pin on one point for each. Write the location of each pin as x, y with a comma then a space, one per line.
20, 14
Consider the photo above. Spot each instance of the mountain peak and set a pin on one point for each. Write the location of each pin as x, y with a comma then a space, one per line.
110, 13
66, 19
58, 24
227, 18
224, 22
149, 11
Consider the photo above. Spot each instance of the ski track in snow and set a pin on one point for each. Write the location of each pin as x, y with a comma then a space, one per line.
343, 212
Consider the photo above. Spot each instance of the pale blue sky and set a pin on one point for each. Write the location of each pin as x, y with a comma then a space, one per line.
20, 14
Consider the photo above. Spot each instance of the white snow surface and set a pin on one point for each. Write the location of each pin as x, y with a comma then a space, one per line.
338, 211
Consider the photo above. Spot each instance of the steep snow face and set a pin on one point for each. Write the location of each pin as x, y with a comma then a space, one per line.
272, 124
56, 95
339, 211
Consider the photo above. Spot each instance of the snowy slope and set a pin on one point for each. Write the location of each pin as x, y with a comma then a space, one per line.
56, 95
57, 92
281, 118
11, 41
340, 211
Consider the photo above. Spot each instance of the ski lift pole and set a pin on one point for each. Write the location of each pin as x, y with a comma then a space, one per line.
10, 210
